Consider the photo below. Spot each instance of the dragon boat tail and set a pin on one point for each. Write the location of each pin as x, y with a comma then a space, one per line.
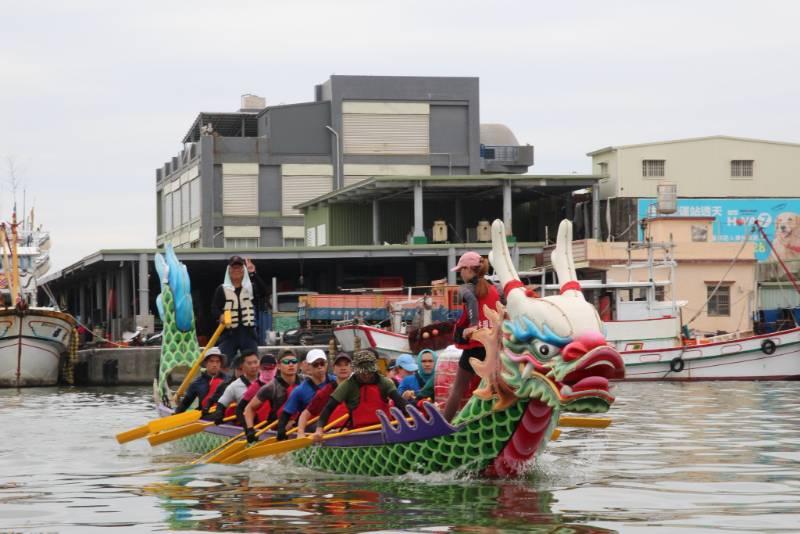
544, 357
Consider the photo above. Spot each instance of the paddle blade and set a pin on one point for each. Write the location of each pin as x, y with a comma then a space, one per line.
584, 422
172, 421
177, 433
135, 433
269, 449
235, 447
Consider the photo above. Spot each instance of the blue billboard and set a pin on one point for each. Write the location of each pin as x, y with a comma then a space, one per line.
734, 218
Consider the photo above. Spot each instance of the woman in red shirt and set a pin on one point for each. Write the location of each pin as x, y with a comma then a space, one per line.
475, 293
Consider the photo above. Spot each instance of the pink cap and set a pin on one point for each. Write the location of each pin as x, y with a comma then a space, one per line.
468, 259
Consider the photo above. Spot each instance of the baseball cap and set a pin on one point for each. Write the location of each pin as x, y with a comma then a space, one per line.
364, 361
314, 355
343, 356
236, 260
406, 361
468, 259
213, 351
268, 359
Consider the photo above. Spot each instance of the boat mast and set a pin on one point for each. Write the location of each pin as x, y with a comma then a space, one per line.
14, 260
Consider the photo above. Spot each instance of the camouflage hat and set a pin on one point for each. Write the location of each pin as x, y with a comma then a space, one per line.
364, 361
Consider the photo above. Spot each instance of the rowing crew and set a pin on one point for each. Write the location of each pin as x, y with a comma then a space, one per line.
268, 390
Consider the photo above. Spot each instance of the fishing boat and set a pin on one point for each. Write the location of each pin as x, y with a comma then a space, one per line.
545, 357
32, 338
649, 333
389, 345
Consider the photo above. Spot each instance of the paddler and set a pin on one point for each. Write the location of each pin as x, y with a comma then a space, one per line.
365, 393
248, 366
275, 393
318, 377
238, 293
207, 387
268, 368
342, 369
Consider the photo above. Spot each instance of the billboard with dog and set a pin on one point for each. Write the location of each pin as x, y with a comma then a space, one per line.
734, 217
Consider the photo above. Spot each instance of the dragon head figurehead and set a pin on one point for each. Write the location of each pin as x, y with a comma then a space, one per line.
551, 348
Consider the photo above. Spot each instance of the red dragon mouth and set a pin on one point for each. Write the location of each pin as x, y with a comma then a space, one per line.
589, 378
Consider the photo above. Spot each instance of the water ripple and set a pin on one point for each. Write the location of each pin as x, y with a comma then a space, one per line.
698, 457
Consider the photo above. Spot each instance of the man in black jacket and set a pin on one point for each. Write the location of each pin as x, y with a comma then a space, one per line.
238, 293
207, 387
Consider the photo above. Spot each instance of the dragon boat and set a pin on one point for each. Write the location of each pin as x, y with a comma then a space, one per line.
544, 357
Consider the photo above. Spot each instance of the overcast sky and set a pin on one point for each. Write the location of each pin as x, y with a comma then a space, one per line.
94, 95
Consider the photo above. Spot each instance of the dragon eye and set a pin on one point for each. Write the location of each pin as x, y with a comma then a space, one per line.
545, 351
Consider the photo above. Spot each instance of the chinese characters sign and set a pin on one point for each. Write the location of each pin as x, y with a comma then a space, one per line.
734, 218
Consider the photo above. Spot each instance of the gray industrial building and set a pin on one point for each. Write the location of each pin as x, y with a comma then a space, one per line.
240, 175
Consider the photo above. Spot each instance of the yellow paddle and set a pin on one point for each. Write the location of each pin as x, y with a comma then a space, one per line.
226, 320
238, 445
183, 431
272, 444
583, 422
159, 425
217, 449
172, 421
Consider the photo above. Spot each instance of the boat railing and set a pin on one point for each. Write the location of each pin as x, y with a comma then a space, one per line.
721, 338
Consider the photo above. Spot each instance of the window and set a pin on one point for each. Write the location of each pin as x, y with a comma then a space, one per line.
742, 168
294, 242
241, 242
167, 212
603, 165
184, 203
652, 167
699, 233
194, 193
719, 305
660, 293
176, 208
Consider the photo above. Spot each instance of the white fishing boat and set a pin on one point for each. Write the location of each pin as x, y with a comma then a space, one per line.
387, 344
32, 338
649, 336
32, 341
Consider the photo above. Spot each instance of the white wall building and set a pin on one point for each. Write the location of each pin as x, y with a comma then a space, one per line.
716, 166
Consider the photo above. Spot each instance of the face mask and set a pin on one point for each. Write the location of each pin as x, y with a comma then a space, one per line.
267, 375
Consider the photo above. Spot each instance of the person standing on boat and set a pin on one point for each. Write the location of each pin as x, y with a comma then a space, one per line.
248, 365
238, 293
342, 369
275, 394
475, 293
318, 377
207, 387
365, 393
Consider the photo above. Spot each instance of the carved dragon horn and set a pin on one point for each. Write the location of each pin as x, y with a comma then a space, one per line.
563, 263
503, 266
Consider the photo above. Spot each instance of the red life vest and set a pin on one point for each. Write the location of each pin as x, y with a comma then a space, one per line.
490, 299
321, 398
213, 384
370, 401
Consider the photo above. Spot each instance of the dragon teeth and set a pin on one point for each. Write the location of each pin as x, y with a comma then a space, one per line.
528, 371
566, 390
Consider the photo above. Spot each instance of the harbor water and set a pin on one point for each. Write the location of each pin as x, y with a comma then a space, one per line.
678, 457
